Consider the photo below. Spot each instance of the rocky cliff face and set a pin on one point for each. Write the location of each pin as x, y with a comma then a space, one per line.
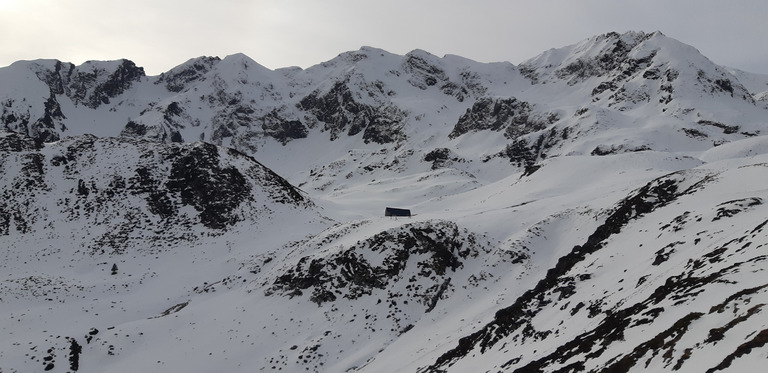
92, 84
129, 193
542, 107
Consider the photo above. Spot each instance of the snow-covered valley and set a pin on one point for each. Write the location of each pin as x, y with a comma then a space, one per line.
597, 208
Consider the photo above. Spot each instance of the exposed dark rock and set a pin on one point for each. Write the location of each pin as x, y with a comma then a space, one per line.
58, 79
529, 71
94, 88
665, 340
652, 74
14, 121
423, 73
283, 130
664, 253
726, 128
507, 320
350, 275
615, 59
14, 142
521, 153
439, 157
758, 341
722, 84
134, 129
515, 117
386, 126
717, 334
435, 298
526, 151
167, 177
45, 128
74, 354
694, 133
601, 150
202, 183
731, 208
339, 111
178, 78
604, 86
82, 189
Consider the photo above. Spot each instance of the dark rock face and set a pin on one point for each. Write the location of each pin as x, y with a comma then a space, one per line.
424, 73
12, 120
171, 116
514, 117
386, 126
727, 129
442, 157
44, 130
518, 316
685, 285
17, 118
615, 58
438, 157
95, 87
527, 151
91, 84
339, 111
58, 79
28, 183
521, 154
201, 182
174, 120
625, 58
601, 150
118, 82
178, 79
223, 187
75, 349
717, 85
134, 129
435, 249
14, 142
283, 130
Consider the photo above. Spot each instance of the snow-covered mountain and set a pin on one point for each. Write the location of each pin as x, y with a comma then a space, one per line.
599, 207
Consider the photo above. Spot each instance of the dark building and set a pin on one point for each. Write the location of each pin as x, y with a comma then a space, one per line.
391, 211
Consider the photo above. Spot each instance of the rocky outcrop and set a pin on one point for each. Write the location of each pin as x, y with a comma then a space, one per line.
340, 112
424, 254
194, 70
555, 285
94, 83
514, 117
139, 190
46, 128
281, 129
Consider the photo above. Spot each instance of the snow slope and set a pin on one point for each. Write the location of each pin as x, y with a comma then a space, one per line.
600, 208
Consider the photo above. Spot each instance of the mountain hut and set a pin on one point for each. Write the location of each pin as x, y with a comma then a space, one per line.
391, 211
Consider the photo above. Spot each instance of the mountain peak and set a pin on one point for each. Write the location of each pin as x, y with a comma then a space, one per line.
609, 62
601, 207
241, 62
177, 78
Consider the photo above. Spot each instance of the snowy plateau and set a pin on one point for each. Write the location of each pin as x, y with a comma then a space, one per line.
600, 207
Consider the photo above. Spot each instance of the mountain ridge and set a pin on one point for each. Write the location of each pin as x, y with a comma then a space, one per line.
597, 208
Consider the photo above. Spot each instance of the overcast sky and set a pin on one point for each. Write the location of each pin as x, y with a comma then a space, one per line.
160, 34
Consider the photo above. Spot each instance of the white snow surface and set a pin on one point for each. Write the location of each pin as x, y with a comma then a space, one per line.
633, 240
